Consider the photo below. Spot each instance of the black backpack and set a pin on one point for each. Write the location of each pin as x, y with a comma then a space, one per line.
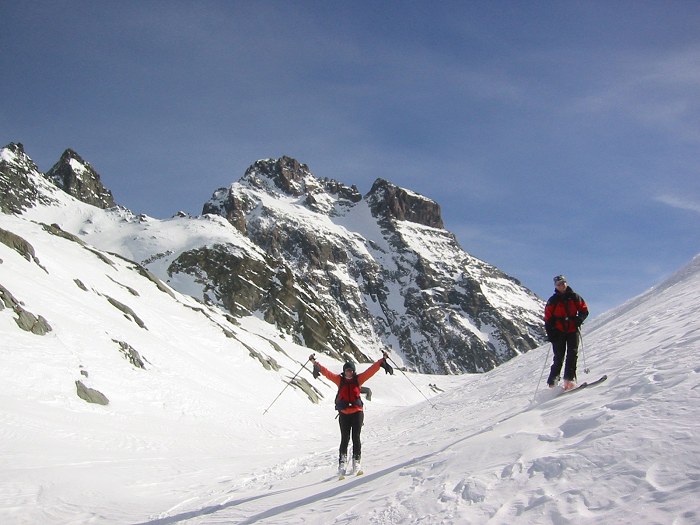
341, 404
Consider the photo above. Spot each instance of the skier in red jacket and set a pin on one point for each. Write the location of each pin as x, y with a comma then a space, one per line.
563, 315
348, 403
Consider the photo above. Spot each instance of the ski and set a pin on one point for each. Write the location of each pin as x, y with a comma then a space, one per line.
585, 385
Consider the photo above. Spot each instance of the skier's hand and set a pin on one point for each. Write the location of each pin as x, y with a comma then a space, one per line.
316, 371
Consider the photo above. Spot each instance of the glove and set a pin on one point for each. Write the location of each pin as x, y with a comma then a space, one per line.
387, 367
316, 371
579, 321
549, 330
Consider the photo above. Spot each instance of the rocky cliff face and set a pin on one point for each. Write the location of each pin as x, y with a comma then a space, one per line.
383, 268
77, 178
21, 184
389, 202
341, 273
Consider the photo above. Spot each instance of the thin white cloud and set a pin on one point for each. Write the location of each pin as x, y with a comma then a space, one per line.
681, 203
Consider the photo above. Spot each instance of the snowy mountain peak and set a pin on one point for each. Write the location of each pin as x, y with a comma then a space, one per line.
22, 186
382, 269
285, 174
288, 177
14, 156
79, 179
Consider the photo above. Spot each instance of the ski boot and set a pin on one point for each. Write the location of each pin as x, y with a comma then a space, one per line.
356, 467
342, 464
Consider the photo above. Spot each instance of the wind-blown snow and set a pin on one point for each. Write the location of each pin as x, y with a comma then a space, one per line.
185, 439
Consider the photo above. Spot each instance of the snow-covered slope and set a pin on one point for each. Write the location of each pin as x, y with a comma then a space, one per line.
184, 439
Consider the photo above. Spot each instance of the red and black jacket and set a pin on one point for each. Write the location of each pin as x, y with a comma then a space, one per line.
564, 312
348, 398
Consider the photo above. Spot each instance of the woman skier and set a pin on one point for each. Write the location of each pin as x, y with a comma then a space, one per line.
349, 406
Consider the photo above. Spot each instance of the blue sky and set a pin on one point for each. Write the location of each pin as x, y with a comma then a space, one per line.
558, 137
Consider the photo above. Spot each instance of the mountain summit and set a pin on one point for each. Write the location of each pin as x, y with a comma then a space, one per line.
77, 178
340, 273
381, 267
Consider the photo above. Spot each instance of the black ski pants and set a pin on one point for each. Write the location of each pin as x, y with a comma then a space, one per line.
351, 425
564, 344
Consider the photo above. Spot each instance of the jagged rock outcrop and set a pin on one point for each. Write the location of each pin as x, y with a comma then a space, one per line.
388, 201
382, 267
78, 179
286, 176
90, 394
26, 320
245, 284
21, 184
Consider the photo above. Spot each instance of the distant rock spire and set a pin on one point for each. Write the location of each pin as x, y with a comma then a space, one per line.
78, 178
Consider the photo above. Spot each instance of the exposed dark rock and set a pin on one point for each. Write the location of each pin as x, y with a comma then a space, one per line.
128, 312
26, 320
79, 179
18, 244
245, 284
130, 354
392, 202
31, 323
20, 181
55, 229
90, 394
312, 392
286, 173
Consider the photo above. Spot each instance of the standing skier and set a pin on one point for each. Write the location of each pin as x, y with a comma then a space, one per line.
563, 315
349, 406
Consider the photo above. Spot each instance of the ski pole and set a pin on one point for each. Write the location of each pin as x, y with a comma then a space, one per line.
285, 387
537, 389
586, 370
409, 380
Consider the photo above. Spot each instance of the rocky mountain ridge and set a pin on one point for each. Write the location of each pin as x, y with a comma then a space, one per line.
341, 273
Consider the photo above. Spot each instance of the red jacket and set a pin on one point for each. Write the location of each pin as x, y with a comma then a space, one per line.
565, 312
350, 390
